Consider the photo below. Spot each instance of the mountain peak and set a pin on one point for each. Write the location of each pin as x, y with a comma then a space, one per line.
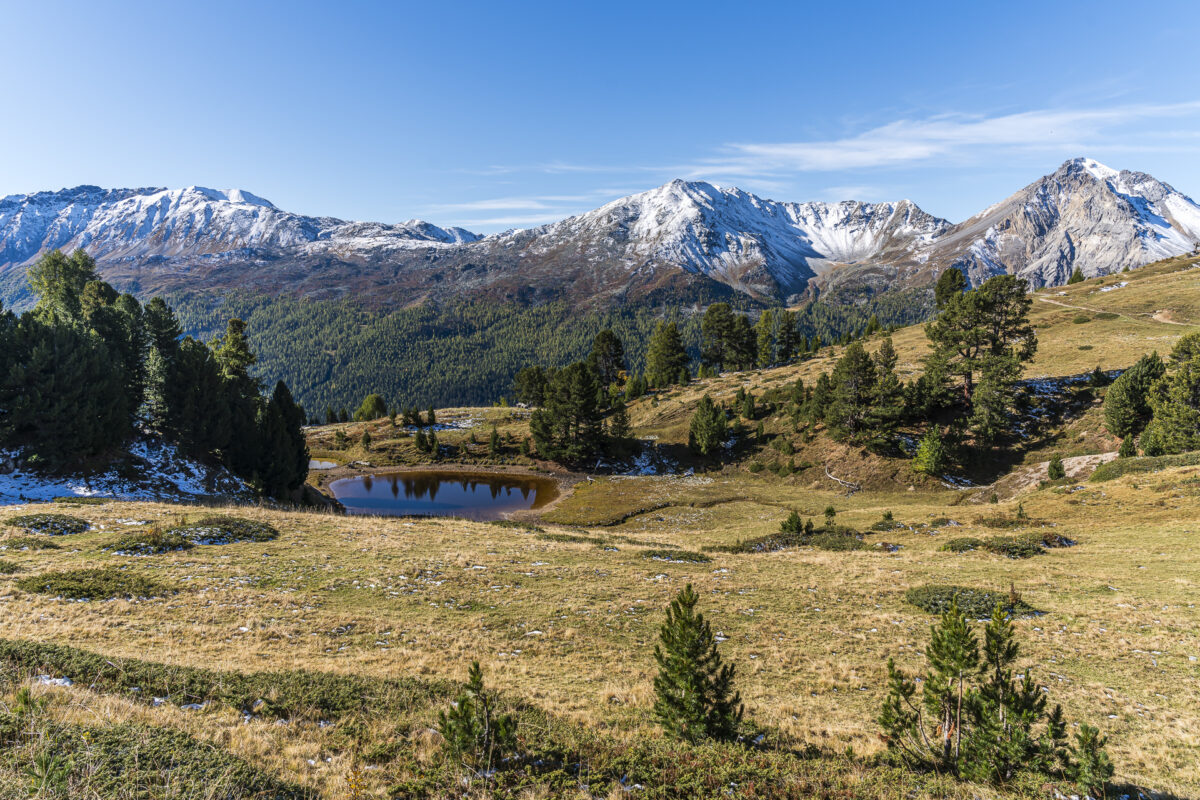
1092, 167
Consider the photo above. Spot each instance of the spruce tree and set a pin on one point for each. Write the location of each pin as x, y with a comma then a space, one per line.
1056, 471
695, 696
1076, 277
853, 395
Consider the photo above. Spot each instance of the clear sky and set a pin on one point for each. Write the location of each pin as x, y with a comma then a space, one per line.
493, 115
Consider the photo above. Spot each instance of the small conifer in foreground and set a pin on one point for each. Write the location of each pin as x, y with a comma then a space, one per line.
695, 697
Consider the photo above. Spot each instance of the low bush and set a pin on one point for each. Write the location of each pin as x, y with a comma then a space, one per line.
1027, 545
93, 584
1110, 315
1081, 319
663, 554
28, 543
974, 603
962, 544
1140, 464
106, 759
225, 530
570, 538
8, 567
516, 525
792, 536
50, 524
281, 695
151, 542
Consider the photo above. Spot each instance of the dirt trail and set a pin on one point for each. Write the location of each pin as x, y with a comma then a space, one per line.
1159, 316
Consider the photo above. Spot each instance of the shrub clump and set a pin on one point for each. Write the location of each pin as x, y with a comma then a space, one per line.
8, 567
29, 543
82, 501
974, 603
151, 542
1026, 546
225, 530
282, 695
570, 538
50, 524
1142, 464
962, 544
110, 755
93, 584
686, 556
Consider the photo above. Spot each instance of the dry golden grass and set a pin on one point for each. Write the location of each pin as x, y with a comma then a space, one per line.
571, 626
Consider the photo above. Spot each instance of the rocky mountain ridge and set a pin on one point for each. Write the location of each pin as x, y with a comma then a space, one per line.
676, 238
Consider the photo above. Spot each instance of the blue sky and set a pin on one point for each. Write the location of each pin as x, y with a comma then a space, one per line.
497, 115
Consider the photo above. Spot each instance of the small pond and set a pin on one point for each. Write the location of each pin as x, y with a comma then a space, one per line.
473, 495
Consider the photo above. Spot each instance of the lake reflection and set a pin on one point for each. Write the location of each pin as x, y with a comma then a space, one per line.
430, 493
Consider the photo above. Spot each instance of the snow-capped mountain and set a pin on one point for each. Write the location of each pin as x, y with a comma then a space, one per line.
1083, 215
683, 239
180, 223
754, 245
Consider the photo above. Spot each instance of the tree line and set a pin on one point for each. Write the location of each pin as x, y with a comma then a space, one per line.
87, 369
334, 352
1156, 404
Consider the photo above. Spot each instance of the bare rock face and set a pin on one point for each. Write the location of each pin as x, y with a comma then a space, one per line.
1083, 215
675, 239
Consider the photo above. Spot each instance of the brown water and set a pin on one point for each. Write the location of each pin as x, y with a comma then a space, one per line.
475, 495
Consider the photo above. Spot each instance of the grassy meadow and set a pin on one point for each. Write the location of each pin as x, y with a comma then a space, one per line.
563, 610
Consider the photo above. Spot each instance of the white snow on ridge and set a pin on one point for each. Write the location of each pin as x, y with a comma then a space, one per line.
162, 474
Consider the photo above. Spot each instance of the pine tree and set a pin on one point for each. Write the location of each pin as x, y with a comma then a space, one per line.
58, 282
1128, 448
618, 423
475, 733
988, 324
695, 697
853, 393
373, 407
706, 433
789, 340
607, 358
366, 440
793, 524
1090, 767
568, 427
950, 283
1175, 401
716, 334
494, 442
432, 416
1056, 471
766, 338
931, 454
1127, 401
1076, 277
665, 355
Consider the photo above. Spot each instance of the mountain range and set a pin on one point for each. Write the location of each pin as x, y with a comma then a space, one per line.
679, 237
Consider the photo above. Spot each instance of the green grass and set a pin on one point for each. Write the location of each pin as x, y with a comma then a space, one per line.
51, 524
93, 584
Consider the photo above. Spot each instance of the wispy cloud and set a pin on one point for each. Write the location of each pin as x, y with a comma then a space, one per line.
912, 141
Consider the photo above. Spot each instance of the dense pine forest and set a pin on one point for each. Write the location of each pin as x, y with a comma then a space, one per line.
87, 370
333, 353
